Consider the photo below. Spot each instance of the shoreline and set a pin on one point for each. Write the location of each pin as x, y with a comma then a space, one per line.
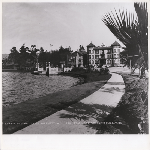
14, 70
82, 78
9, 70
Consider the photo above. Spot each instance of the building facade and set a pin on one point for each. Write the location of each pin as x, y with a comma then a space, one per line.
75, 60
78, 58
101, 55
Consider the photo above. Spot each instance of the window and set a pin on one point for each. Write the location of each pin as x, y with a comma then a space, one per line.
96, 51
108, 51
89, 56
116, 46
108, 56
114, 50
114, 55
91, 51
96, 56
97, 61
118, 50
92, 56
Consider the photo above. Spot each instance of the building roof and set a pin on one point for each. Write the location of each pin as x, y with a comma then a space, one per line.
75, 53
91, 45
102, 48
83, 52
115, 44
81, 47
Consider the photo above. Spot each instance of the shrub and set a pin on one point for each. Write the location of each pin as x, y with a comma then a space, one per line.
133, 105
104, 71
76, 69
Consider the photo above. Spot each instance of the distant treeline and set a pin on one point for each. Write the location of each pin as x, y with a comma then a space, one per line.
28, 57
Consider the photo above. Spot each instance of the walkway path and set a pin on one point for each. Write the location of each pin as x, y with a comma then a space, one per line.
76, 118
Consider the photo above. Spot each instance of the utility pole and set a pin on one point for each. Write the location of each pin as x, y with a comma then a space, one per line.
67, 61
130, 66
130, 63
112, 58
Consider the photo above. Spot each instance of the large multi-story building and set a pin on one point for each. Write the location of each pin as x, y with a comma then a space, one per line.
101, 55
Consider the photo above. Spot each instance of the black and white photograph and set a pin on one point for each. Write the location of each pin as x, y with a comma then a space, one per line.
75, 68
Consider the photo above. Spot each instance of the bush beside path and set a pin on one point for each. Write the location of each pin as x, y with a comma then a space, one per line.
131, 111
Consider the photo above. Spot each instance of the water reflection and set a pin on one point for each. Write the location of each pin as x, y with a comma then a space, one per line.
18, 87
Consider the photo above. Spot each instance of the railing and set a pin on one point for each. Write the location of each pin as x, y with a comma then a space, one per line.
67, 69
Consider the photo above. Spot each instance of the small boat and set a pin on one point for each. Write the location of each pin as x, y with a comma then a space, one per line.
39, 72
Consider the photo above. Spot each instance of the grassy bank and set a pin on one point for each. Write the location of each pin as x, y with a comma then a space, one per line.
129, 111
18, 116
87, 76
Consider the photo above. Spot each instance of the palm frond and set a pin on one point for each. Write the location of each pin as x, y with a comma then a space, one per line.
130, 29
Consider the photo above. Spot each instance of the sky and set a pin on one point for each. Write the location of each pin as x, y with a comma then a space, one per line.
58, 24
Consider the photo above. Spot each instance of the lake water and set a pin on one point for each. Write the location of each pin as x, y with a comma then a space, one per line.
18, 87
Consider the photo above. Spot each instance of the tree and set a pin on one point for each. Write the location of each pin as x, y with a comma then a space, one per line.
84, 54
54, 58
23, 56
33, 56
132, 31
124, 57
13, 56
4, 62
42, 59
102, 60
64, 53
